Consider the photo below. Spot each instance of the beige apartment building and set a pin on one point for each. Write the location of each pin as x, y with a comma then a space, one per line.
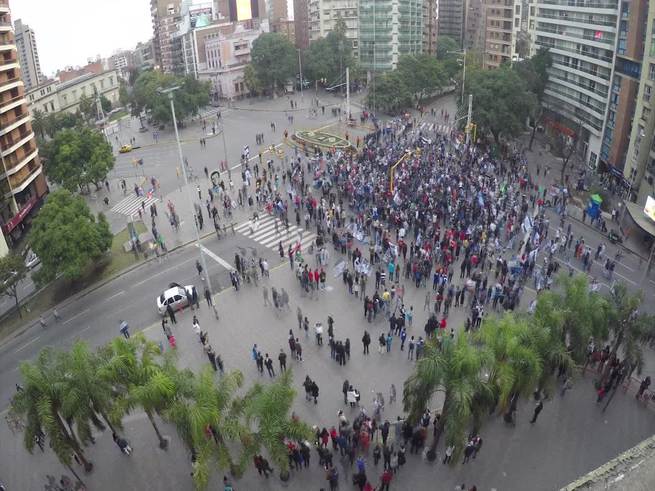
22, 183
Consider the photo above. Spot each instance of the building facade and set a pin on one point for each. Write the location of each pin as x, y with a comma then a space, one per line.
28, 54
301, 23
325, 14
22, 183
502, 24
56, 96
581, 37
387, 30
452, 19
165, 15
639, 170
430, 27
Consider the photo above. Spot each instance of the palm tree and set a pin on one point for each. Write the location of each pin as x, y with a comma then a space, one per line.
85, 394
575, 312
268, 409
39, 123
40, 403
208, 417
515, 364
456, 370
131, 365
630, 328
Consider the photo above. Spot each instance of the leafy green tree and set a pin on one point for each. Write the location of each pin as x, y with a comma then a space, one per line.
455, 369
123, 94
40, 404
274, 59
447, 47
78, 157
422, 74
327, 58
105, 103
132, 366
191, 96
502, 101
390, 93
268, 408
252, 82
515, 363
87, 108
55, 122
535, 72
12, 272
67, 237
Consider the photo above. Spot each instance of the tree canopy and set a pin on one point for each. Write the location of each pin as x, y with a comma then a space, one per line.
78, 157
390, 93
12, 272
327, 58
67, 237
273, 59
191, 96
502, 101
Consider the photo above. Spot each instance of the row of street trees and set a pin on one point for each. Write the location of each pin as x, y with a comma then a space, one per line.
510, 356
68, 394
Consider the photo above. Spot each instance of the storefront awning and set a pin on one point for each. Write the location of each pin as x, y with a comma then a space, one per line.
637, 213
20, 216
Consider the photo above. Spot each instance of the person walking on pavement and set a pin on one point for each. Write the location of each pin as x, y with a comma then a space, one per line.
199, 268
366, 341
315, 392
171, 314
537, 410
208, 297
268, 363
344, 388
212, 357
125, 329
282, 358
265, 294
122, 444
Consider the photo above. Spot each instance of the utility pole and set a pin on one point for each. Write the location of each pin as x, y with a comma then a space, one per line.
169, 92
468, 119
348, 94
464, 80
300, 66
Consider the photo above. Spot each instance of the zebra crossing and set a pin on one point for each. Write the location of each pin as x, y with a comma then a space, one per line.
265, 232
130, 206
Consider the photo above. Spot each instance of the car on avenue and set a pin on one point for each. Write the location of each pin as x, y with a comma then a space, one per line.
176, 296
125, 149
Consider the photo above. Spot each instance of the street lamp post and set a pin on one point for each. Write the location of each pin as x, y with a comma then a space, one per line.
300, 66
463, 53
170, 92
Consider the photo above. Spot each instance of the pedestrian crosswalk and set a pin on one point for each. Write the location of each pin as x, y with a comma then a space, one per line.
269, 231
130, 206
443, 129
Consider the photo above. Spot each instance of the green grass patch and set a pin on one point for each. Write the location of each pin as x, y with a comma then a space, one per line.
59, 290
118, 115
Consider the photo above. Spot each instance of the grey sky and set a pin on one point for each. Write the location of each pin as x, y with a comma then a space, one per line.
70, 31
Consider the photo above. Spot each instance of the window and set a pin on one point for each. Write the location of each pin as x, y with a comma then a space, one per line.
651, 71
645, 113
647, 91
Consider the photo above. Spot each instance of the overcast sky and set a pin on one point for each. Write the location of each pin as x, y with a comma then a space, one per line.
70, 31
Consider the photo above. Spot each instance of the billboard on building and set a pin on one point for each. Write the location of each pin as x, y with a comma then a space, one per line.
241, 10
649, 209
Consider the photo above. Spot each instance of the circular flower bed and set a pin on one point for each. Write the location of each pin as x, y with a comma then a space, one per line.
321, 139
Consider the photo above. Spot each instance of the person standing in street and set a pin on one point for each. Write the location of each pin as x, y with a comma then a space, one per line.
265, 294
366, 341
208, 297
268, 363
537, 410
171, 314
125, 329
282, 358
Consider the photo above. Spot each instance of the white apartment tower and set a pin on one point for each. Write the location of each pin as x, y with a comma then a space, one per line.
28, 55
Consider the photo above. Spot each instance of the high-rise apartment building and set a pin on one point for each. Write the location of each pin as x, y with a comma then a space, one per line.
430, 27
474, 29
22, 183
165, 16
387, 30
28, 55
639, 170
452, 19
301, 23
502, 23
324, 15
581, 36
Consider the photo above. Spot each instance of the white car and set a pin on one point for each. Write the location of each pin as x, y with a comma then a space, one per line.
176, 296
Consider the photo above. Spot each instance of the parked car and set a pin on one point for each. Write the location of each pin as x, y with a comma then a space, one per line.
125, 149
176, 296
31, 259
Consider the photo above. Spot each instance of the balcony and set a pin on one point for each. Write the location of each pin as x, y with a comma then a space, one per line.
25, 118
9, 146
20, 164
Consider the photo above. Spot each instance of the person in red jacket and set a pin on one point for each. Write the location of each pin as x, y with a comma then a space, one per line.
387, 476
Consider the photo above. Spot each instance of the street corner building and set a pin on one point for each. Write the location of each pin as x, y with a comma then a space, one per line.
22, 183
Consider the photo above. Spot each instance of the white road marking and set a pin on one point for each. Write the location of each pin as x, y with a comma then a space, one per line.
115, 295
76, 315
216, 258
27, 344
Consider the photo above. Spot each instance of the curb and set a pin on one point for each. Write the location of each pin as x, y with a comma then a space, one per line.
95, 286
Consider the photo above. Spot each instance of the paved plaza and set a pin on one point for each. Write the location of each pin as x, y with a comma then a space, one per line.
571, 437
